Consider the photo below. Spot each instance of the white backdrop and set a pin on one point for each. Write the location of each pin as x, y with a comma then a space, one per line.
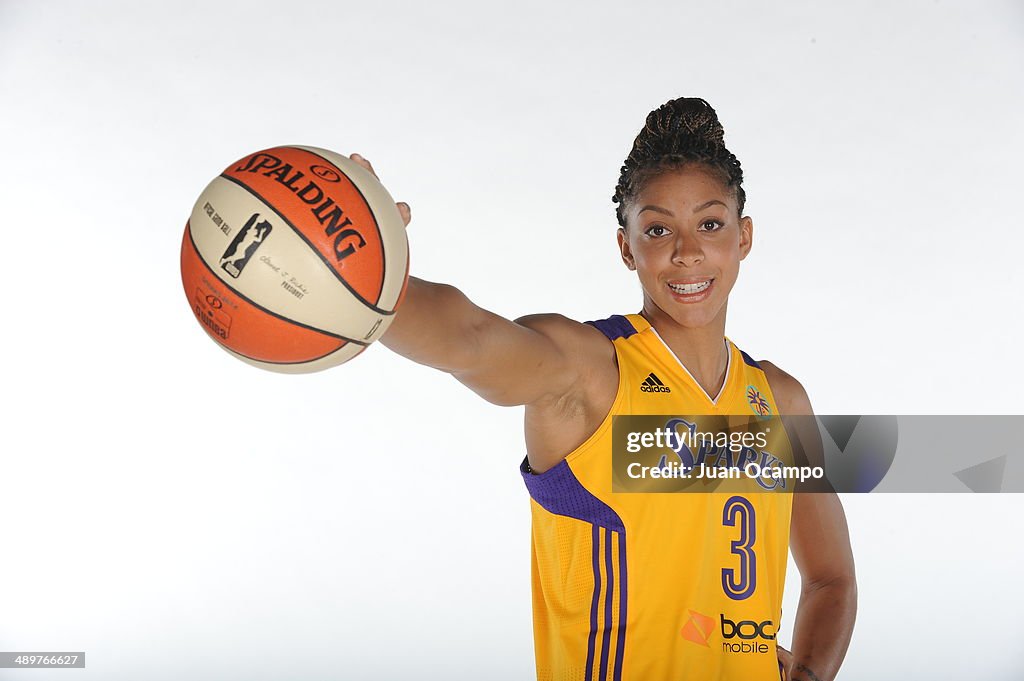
177, 514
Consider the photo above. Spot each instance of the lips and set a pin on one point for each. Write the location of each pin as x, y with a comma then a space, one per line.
695, 287
691, 291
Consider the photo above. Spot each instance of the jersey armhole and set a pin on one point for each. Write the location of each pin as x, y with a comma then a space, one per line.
606, 422
587, 444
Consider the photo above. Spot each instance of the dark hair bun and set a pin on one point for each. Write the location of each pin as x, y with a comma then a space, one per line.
682, 125
681, 131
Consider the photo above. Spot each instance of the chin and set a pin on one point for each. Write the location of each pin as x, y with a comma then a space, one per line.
693, 321
690, 316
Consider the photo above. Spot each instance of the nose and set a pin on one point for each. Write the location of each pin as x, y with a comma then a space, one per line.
688, 251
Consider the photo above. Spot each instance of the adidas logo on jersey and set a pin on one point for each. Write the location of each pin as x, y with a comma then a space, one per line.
653, 384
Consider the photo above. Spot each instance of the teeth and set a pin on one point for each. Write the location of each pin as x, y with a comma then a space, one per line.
687, 289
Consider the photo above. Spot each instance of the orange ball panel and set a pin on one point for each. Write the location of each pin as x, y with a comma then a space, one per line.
241, 326
324, 205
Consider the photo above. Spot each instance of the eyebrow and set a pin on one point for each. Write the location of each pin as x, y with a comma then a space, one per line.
663, 211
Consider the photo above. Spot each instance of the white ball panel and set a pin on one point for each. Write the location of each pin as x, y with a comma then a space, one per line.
389, 220
284, 273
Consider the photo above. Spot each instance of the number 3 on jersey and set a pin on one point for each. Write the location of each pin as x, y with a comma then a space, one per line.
739, 584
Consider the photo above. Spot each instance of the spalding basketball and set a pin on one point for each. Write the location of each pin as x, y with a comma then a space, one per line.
294, 259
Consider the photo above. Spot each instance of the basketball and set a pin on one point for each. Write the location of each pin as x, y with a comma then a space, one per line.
294, 259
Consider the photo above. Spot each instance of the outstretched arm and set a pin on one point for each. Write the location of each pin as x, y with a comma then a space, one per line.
820, 542
506, 362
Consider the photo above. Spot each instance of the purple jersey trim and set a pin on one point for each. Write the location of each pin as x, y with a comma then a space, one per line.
614, 327
748, 360
606, 639
592, 638
559, 492
620, 646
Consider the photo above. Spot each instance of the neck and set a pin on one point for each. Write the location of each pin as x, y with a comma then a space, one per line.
702, 350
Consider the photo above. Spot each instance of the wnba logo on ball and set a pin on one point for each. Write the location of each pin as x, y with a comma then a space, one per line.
245, 243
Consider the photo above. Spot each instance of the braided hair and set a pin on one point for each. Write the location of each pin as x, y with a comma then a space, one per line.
680, 132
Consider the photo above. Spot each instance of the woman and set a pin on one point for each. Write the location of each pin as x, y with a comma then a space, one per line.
651, 586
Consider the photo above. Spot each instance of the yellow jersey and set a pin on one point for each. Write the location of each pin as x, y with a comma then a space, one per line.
634, 586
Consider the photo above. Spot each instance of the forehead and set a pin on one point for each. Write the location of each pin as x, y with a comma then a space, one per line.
681, 188
681, 192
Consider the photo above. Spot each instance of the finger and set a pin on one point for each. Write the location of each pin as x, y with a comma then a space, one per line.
364, 163
405, 212
785, 662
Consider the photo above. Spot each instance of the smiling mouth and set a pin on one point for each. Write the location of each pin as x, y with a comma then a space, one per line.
691, 289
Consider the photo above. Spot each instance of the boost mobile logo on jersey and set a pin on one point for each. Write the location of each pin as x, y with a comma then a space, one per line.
245, 243
745, 636
653, 384
698, 628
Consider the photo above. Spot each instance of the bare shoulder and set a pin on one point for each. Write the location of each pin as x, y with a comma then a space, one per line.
557, 424
579, 342
790, 395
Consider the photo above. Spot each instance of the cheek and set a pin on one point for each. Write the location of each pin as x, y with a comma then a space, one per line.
728, 255
651, 252
729, 266
648, 263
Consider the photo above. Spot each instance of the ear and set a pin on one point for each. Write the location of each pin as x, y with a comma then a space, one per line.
627, 255
746, 236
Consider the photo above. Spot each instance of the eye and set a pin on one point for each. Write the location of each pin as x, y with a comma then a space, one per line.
656, 230
711, 226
